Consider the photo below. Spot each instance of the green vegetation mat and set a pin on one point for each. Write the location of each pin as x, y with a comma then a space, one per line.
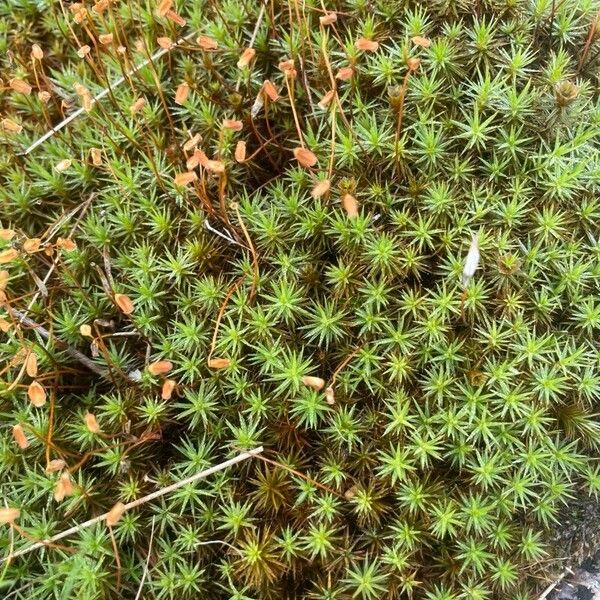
363, 234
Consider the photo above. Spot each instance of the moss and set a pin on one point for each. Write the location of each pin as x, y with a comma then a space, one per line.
306, 290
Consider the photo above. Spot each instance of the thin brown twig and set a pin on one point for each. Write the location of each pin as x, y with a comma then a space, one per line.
135, 503
80, 357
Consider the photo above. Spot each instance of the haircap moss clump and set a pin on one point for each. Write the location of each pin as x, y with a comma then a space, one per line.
364, 235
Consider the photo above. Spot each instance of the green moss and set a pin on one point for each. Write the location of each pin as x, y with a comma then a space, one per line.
455, 422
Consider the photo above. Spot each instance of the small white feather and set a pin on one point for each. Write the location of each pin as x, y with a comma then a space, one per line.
471, 262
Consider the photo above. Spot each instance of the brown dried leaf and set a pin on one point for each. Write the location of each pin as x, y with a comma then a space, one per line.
124, 303
160, 367
37, 394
